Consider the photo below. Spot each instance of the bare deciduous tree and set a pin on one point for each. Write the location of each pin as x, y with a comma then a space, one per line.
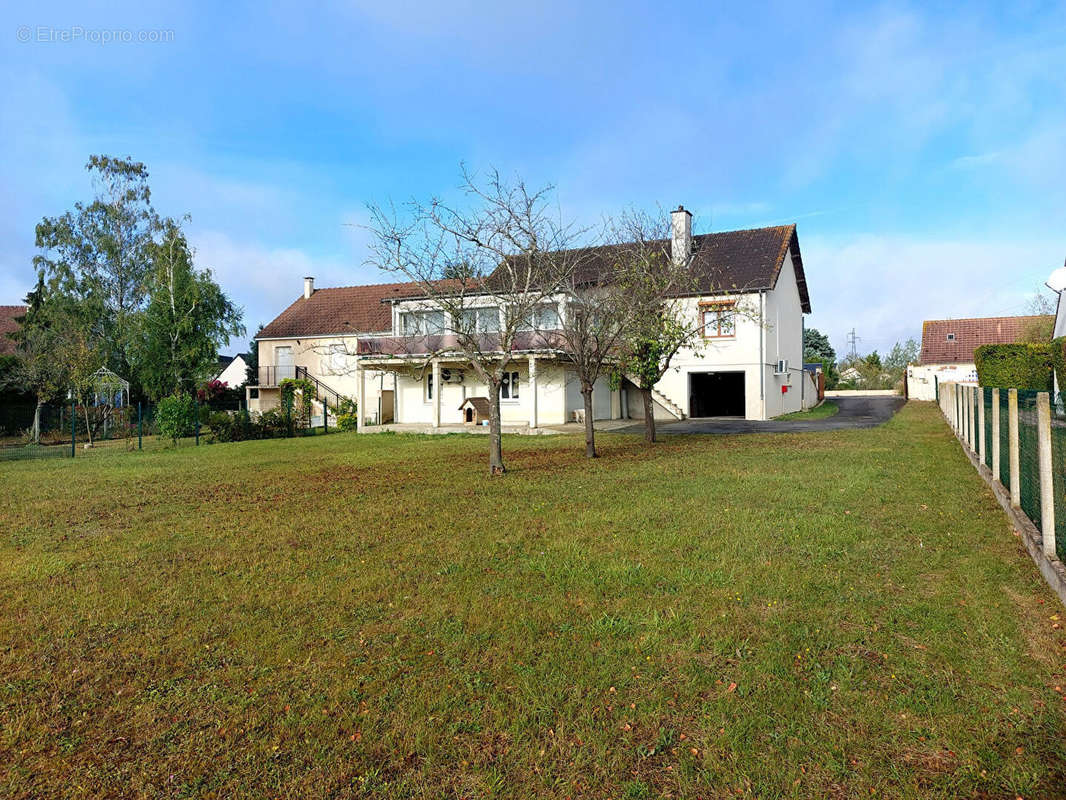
655, 282
593, 326
504, 251
652, 279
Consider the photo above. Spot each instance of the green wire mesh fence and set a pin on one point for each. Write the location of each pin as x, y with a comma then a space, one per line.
1004, 439
1028, 457
976, 424
1058, 470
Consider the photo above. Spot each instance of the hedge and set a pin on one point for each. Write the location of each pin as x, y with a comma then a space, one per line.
1026, 366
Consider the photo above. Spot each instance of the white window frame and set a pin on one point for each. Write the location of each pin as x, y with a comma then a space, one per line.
512, 382
338, 359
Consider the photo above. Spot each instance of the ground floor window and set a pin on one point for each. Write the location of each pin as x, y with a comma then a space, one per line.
429, 386
509, 386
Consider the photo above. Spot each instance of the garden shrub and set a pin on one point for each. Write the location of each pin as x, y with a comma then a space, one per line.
241, 426
1017, 366
175, 416
347, 415
296, 396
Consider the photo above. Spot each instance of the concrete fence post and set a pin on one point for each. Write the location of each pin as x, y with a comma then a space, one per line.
1012, 448
982, 445
968, 397
965, 422
1047, 487
958, 411
967, 413
995, 435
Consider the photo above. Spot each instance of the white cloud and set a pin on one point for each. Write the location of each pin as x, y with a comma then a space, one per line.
885, 286
265, 280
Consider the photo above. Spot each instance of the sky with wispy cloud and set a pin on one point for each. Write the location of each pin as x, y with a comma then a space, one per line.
921, 150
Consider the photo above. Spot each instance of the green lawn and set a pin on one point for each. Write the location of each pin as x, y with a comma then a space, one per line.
827, 408
814, 615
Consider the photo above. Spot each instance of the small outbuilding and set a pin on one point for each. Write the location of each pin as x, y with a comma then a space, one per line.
475, 410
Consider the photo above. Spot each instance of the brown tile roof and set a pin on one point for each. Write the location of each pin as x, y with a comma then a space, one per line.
969, 334
342, 310
725, 263
8, 325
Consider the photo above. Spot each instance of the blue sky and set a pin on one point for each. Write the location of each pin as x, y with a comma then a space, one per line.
920, 149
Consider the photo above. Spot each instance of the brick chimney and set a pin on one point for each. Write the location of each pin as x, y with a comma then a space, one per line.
681, 235
309, 288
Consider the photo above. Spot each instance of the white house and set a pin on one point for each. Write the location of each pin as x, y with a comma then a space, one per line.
948, 346
387, 345
233, 370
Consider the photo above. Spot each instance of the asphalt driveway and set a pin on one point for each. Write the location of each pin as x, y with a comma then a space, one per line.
855, 412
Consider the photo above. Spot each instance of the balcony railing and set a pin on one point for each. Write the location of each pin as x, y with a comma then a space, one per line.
273, 376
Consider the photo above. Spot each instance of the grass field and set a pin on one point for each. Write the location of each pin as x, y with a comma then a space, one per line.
827, 408
815, 615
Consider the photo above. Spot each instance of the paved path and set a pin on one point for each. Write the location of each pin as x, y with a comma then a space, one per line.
855, 412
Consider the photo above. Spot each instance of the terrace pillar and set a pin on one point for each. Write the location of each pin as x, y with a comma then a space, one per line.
982, 440
437, 392
360, 416
995, 435
1047, 488
532, 391
1012, 448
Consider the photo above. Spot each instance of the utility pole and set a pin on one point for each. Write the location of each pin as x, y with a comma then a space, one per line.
852, 341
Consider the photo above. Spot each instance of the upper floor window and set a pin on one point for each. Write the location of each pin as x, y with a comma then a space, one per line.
338, 359
718, 320
546, 318
951, 337
422, 323
509, 386
480, 320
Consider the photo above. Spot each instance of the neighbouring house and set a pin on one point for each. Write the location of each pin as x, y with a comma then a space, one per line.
948, 346
371, 343
233, 370
9, 324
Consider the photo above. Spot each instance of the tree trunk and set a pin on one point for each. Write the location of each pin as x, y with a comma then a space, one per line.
495, 433
37, 423
590, 431
88, 427
649, 415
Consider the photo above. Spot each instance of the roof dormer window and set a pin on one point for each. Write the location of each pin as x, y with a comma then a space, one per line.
951, 337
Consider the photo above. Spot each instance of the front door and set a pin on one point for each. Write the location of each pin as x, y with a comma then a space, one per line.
283, 362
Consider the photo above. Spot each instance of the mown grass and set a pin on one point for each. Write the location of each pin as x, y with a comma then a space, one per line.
827, 408
818, 615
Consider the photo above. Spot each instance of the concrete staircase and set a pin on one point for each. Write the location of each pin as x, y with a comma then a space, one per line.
661, 399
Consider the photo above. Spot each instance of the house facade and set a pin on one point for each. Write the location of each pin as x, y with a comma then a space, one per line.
948, 346
387, 346
232, 370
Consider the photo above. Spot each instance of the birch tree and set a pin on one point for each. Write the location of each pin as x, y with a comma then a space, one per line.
187, 319
500, 249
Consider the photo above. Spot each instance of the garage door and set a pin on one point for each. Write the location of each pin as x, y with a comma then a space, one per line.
716, 394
